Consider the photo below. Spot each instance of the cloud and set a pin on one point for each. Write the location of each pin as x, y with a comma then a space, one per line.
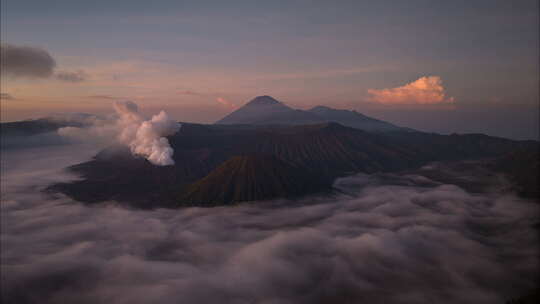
77, 76
79, 128
425, 90
33, 62
225, 102
389, 240
24, 61
6, 96
146, 138
14, 140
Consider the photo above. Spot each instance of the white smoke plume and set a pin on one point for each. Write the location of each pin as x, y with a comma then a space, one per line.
144, 137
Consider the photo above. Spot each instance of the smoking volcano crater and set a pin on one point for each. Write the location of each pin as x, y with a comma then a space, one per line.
157, 163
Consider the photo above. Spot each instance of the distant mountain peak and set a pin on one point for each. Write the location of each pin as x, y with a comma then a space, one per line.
267, 110
263, 100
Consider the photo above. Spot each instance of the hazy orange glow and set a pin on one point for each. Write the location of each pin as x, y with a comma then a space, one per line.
225, 102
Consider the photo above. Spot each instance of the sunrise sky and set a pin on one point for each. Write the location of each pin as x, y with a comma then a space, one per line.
441, 66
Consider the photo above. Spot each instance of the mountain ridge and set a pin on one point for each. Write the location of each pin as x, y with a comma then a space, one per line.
326, 151
267, 110
354, 119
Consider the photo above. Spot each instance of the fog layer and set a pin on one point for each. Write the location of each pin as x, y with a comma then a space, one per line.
384, 239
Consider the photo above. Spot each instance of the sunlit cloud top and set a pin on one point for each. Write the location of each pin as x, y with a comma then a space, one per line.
425, 90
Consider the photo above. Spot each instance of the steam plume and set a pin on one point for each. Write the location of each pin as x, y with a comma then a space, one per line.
144, 137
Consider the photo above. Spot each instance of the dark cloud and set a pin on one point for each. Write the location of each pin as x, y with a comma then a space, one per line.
32, 62
77, 76
24, 61
387, 239
6, 96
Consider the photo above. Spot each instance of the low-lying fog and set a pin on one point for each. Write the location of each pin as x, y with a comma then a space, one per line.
385, 239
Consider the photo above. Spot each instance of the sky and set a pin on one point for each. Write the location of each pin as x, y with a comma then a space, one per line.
438, 66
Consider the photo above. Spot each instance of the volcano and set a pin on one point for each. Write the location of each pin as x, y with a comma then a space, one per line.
226, 164
265, 110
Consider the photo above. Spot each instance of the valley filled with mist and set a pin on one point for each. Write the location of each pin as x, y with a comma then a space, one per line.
393, 226
269, 152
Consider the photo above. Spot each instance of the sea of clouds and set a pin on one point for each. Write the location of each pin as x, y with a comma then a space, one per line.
382, 239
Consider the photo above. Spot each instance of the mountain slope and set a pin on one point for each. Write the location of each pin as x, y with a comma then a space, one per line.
252, 177
35, 126
353, 119
267, 110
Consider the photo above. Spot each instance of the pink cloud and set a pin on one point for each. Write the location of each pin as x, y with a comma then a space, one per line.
424, 90
225, 102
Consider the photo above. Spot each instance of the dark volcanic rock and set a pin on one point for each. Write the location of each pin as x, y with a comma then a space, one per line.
523, 168
253, 177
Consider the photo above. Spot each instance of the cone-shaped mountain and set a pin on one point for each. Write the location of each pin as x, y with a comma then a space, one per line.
265, 110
